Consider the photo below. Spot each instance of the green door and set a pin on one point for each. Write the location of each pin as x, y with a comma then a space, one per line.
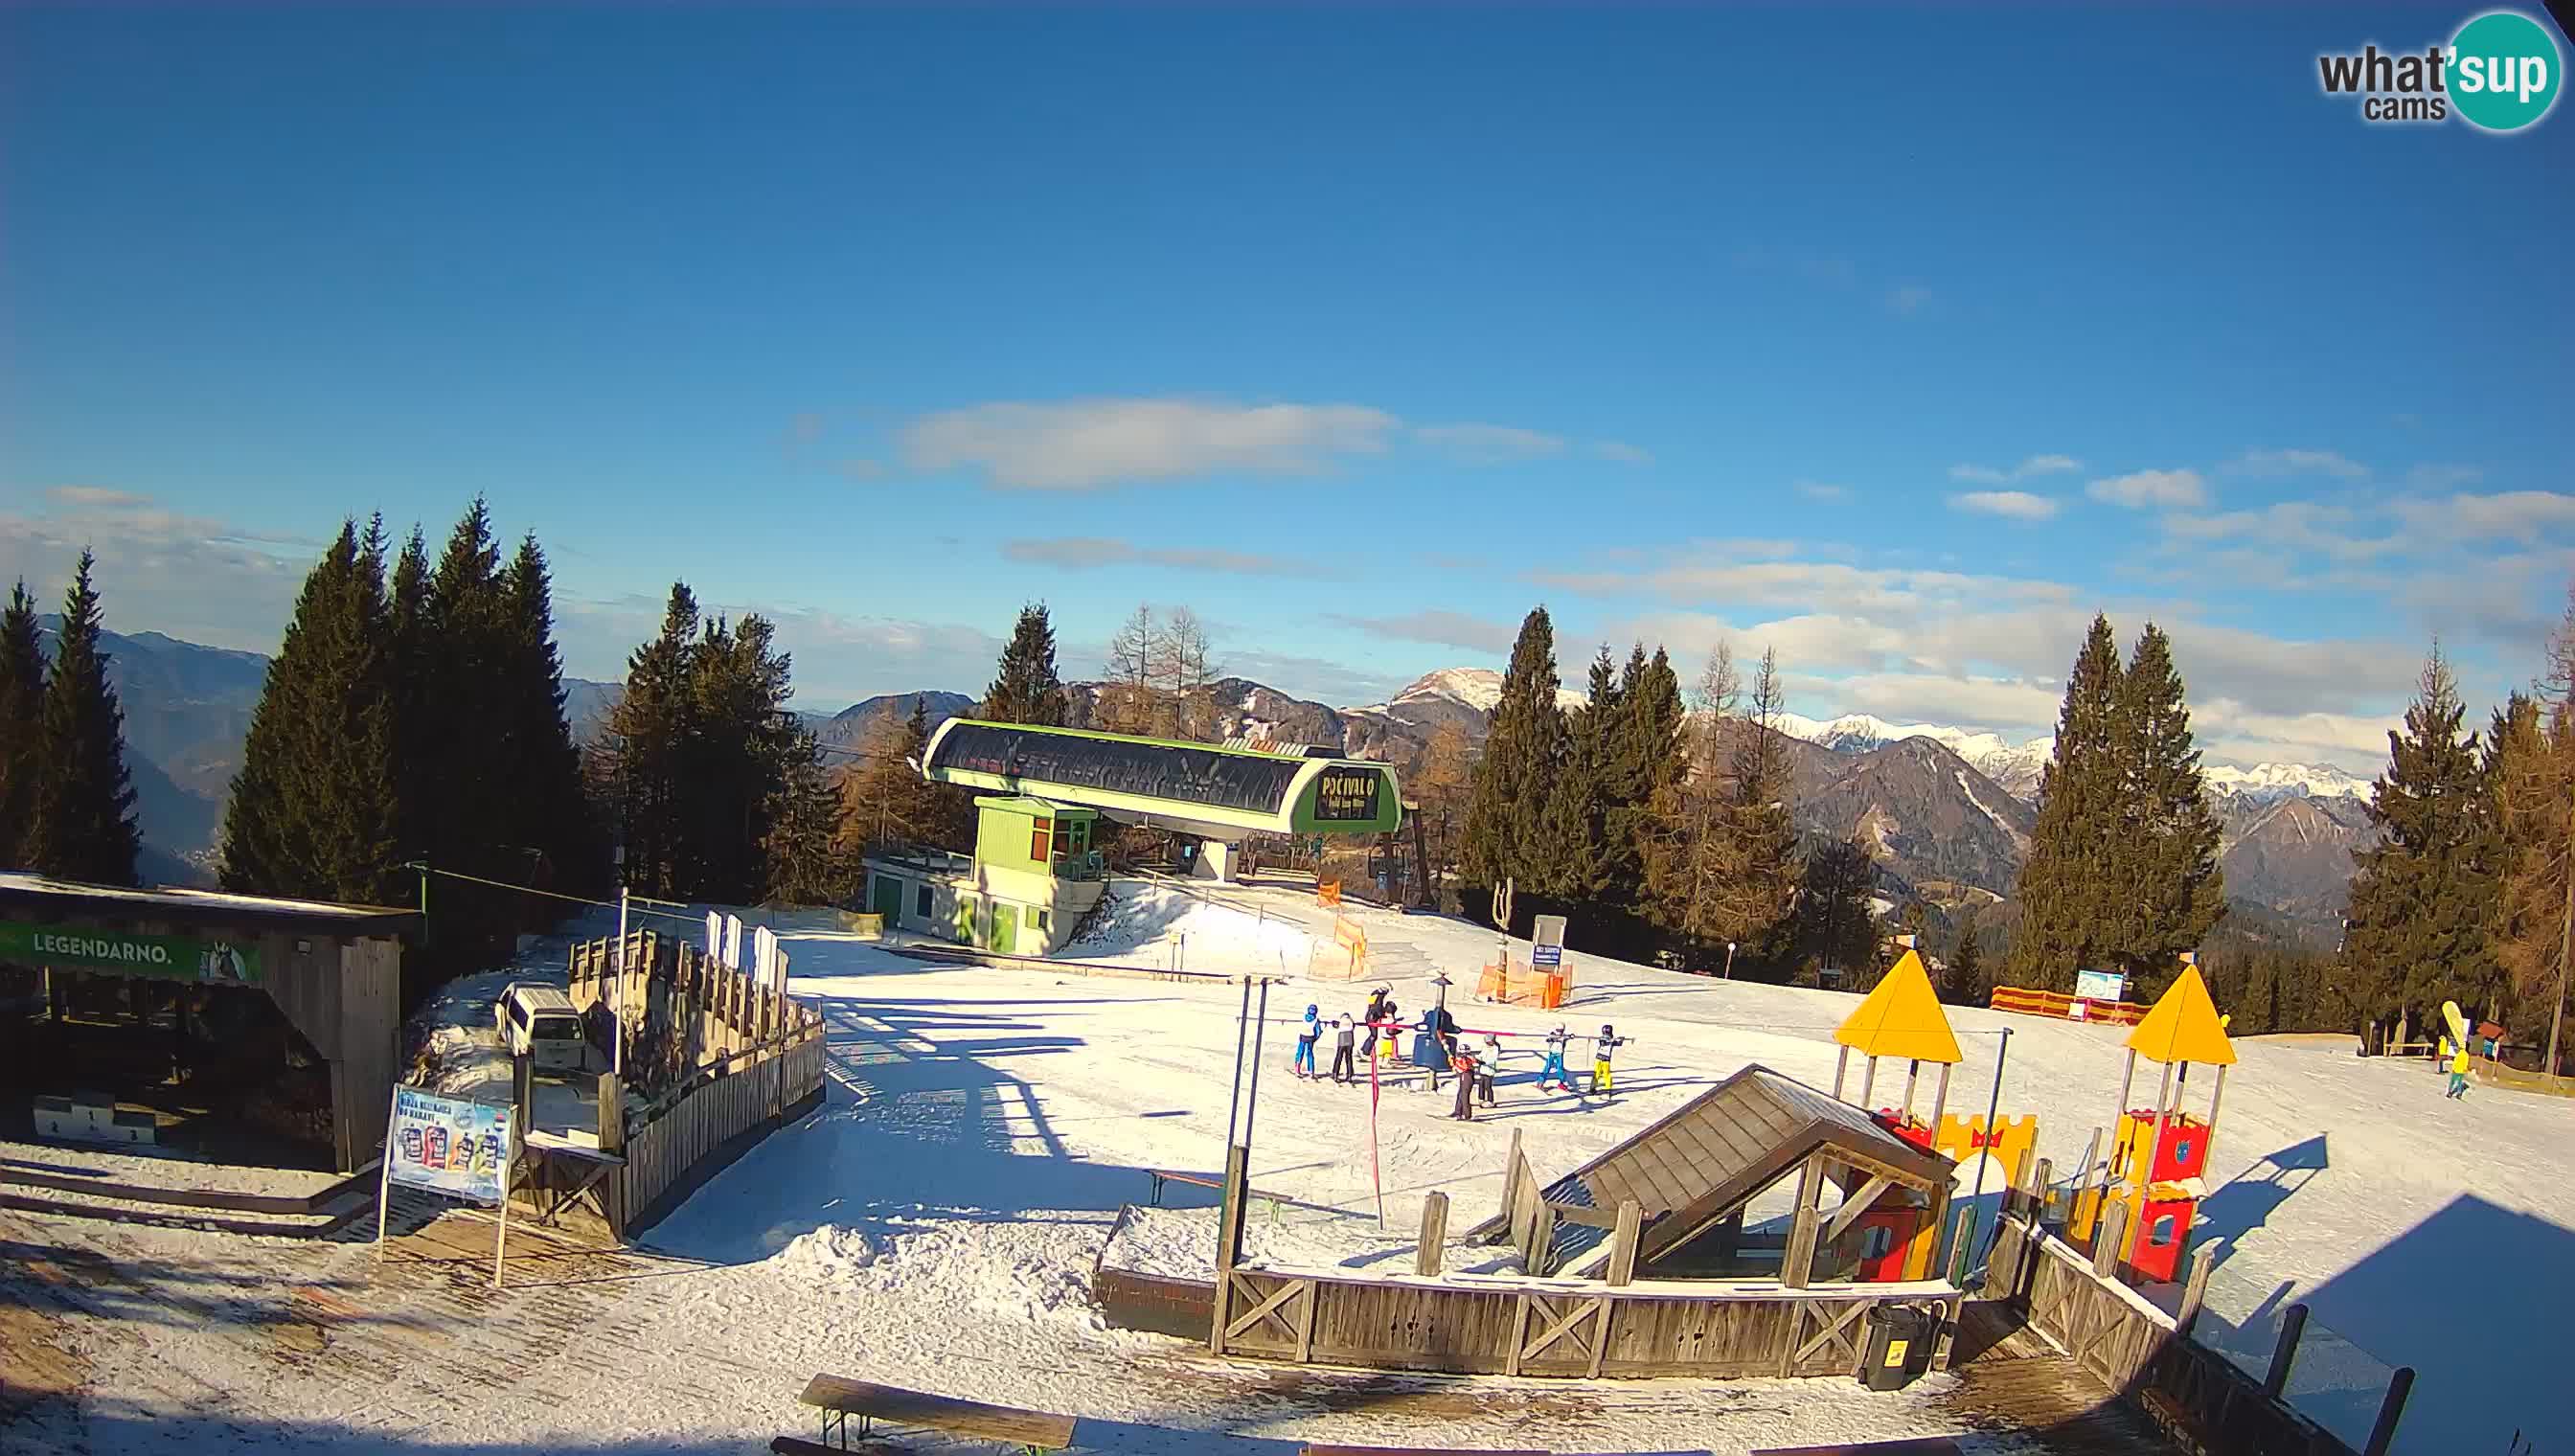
1005, 929
887, 900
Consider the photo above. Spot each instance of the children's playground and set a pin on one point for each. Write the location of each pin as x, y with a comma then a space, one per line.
1005, 1149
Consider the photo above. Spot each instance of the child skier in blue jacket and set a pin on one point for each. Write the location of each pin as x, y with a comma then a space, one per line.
1306, 1040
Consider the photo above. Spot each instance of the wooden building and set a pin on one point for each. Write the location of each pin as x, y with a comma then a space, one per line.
333, 971
1693, 1174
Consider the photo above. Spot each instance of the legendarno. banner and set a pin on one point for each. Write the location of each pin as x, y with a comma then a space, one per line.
124, 952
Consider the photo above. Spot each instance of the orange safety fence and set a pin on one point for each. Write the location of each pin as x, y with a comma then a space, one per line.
1327, 893
1521, 984
1345, 958
2065, 1007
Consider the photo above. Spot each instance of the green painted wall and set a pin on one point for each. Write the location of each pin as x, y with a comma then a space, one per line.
1006, 833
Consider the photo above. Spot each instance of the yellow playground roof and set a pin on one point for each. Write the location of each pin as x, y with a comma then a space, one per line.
1901, 1017
2184, 1026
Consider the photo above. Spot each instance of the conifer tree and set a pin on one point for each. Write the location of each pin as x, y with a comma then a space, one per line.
1832, 926
1760, 813
1965, 981
1027, 689
1645, 756
2167, 892
745, 750
2069, 884
314, 808
1523, 752
647, 750
1443, 788
885, 802
22, 714
418, 711
82, 825
2426, 894
540, 762
806, 863
1579, 796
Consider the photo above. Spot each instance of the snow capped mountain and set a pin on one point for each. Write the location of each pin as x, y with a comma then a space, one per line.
2015, 767
1476, 687
2268, 782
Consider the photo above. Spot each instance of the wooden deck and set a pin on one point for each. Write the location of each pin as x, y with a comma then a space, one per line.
2011, 1380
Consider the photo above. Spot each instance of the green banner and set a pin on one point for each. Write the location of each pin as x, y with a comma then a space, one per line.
125, 952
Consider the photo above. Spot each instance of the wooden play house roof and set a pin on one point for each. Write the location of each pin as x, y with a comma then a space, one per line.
1707, 1159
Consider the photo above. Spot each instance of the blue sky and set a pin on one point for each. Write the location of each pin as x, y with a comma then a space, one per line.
1901, 341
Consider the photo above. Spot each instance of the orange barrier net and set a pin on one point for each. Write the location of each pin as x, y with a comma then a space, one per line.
2064, 1007
1345, 958
1521, 984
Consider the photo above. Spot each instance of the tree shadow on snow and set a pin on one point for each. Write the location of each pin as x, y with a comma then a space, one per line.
920, 1118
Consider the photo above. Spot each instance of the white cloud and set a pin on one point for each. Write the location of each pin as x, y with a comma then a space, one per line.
1078, 444
1085, 553
1819, 491
2272, 463
213, 582
2165, 490
1621, 452
2010, 504
2036, 465
1489, 444
1438, 627
2513, 515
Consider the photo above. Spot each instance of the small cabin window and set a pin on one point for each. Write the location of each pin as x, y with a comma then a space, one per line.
1876, 1241
1039, 919
920, 903
1064, 839
2162, 1233
1040, 840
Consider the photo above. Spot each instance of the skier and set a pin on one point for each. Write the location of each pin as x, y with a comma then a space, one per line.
1489, 1065
1378, 1007
1341, 1070
1600, 1059
2459, 1073
1465, 1065
1306, 1040
1553, 1073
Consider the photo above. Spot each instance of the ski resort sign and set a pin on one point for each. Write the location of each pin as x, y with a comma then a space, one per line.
127, 953
452, 1145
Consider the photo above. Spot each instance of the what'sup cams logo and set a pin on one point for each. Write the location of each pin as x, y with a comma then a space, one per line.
2500, 73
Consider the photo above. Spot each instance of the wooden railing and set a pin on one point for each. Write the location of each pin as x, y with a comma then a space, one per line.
2051, 1003
715, 1119
679, 1009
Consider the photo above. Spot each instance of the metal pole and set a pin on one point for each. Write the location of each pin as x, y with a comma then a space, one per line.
2565, 950
1252, 1102
1241, 1030
1994, 1104
1729, 960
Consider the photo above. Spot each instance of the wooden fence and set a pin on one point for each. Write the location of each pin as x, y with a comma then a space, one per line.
2050, 1003
719, 1062
1507, 1326
2143, 1354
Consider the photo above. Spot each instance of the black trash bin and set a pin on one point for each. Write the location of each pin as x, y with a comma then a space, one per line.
1897, 1348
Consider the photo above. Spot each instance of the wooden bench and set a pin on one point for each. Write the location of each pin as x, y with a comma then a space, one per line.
841, 1399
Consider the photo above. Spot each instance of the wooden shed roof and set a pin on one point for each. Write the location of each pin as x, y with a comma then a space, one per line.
23, 892
1715, 1152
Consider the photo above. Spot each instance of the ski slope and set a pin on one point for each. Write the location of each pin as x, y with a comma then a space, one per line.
936, 1222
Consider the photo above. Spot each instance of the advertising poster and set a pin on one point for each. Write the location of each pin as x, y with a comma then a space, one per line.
452, 1145
2099, 986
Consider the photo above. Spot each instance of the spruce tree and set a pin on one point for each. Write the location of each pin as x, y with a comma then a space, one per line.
542, 766
2426, 894
84, 819
22, 714
647, 750
2070, 886
419, 712
805, 858
2168, 891
1644, 755
1963, 984
313, 806
1832, 926
1575, 820
1027, 689
1523, 752
741, 755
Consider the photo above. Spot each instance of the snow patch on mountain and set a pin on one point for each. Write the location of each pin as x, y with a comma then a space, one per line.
2019, 839
1476, 687
2285, 781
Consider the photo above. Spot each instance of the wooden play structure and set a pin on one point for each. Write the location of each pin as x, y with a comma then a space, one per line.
2158, 1157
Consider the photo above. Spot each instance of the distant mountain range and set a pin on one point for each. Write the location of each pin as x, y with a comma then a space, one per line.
1946, 812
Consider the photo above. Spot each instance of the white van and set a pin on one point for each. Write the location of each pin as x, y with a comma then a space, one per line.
539, 1019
